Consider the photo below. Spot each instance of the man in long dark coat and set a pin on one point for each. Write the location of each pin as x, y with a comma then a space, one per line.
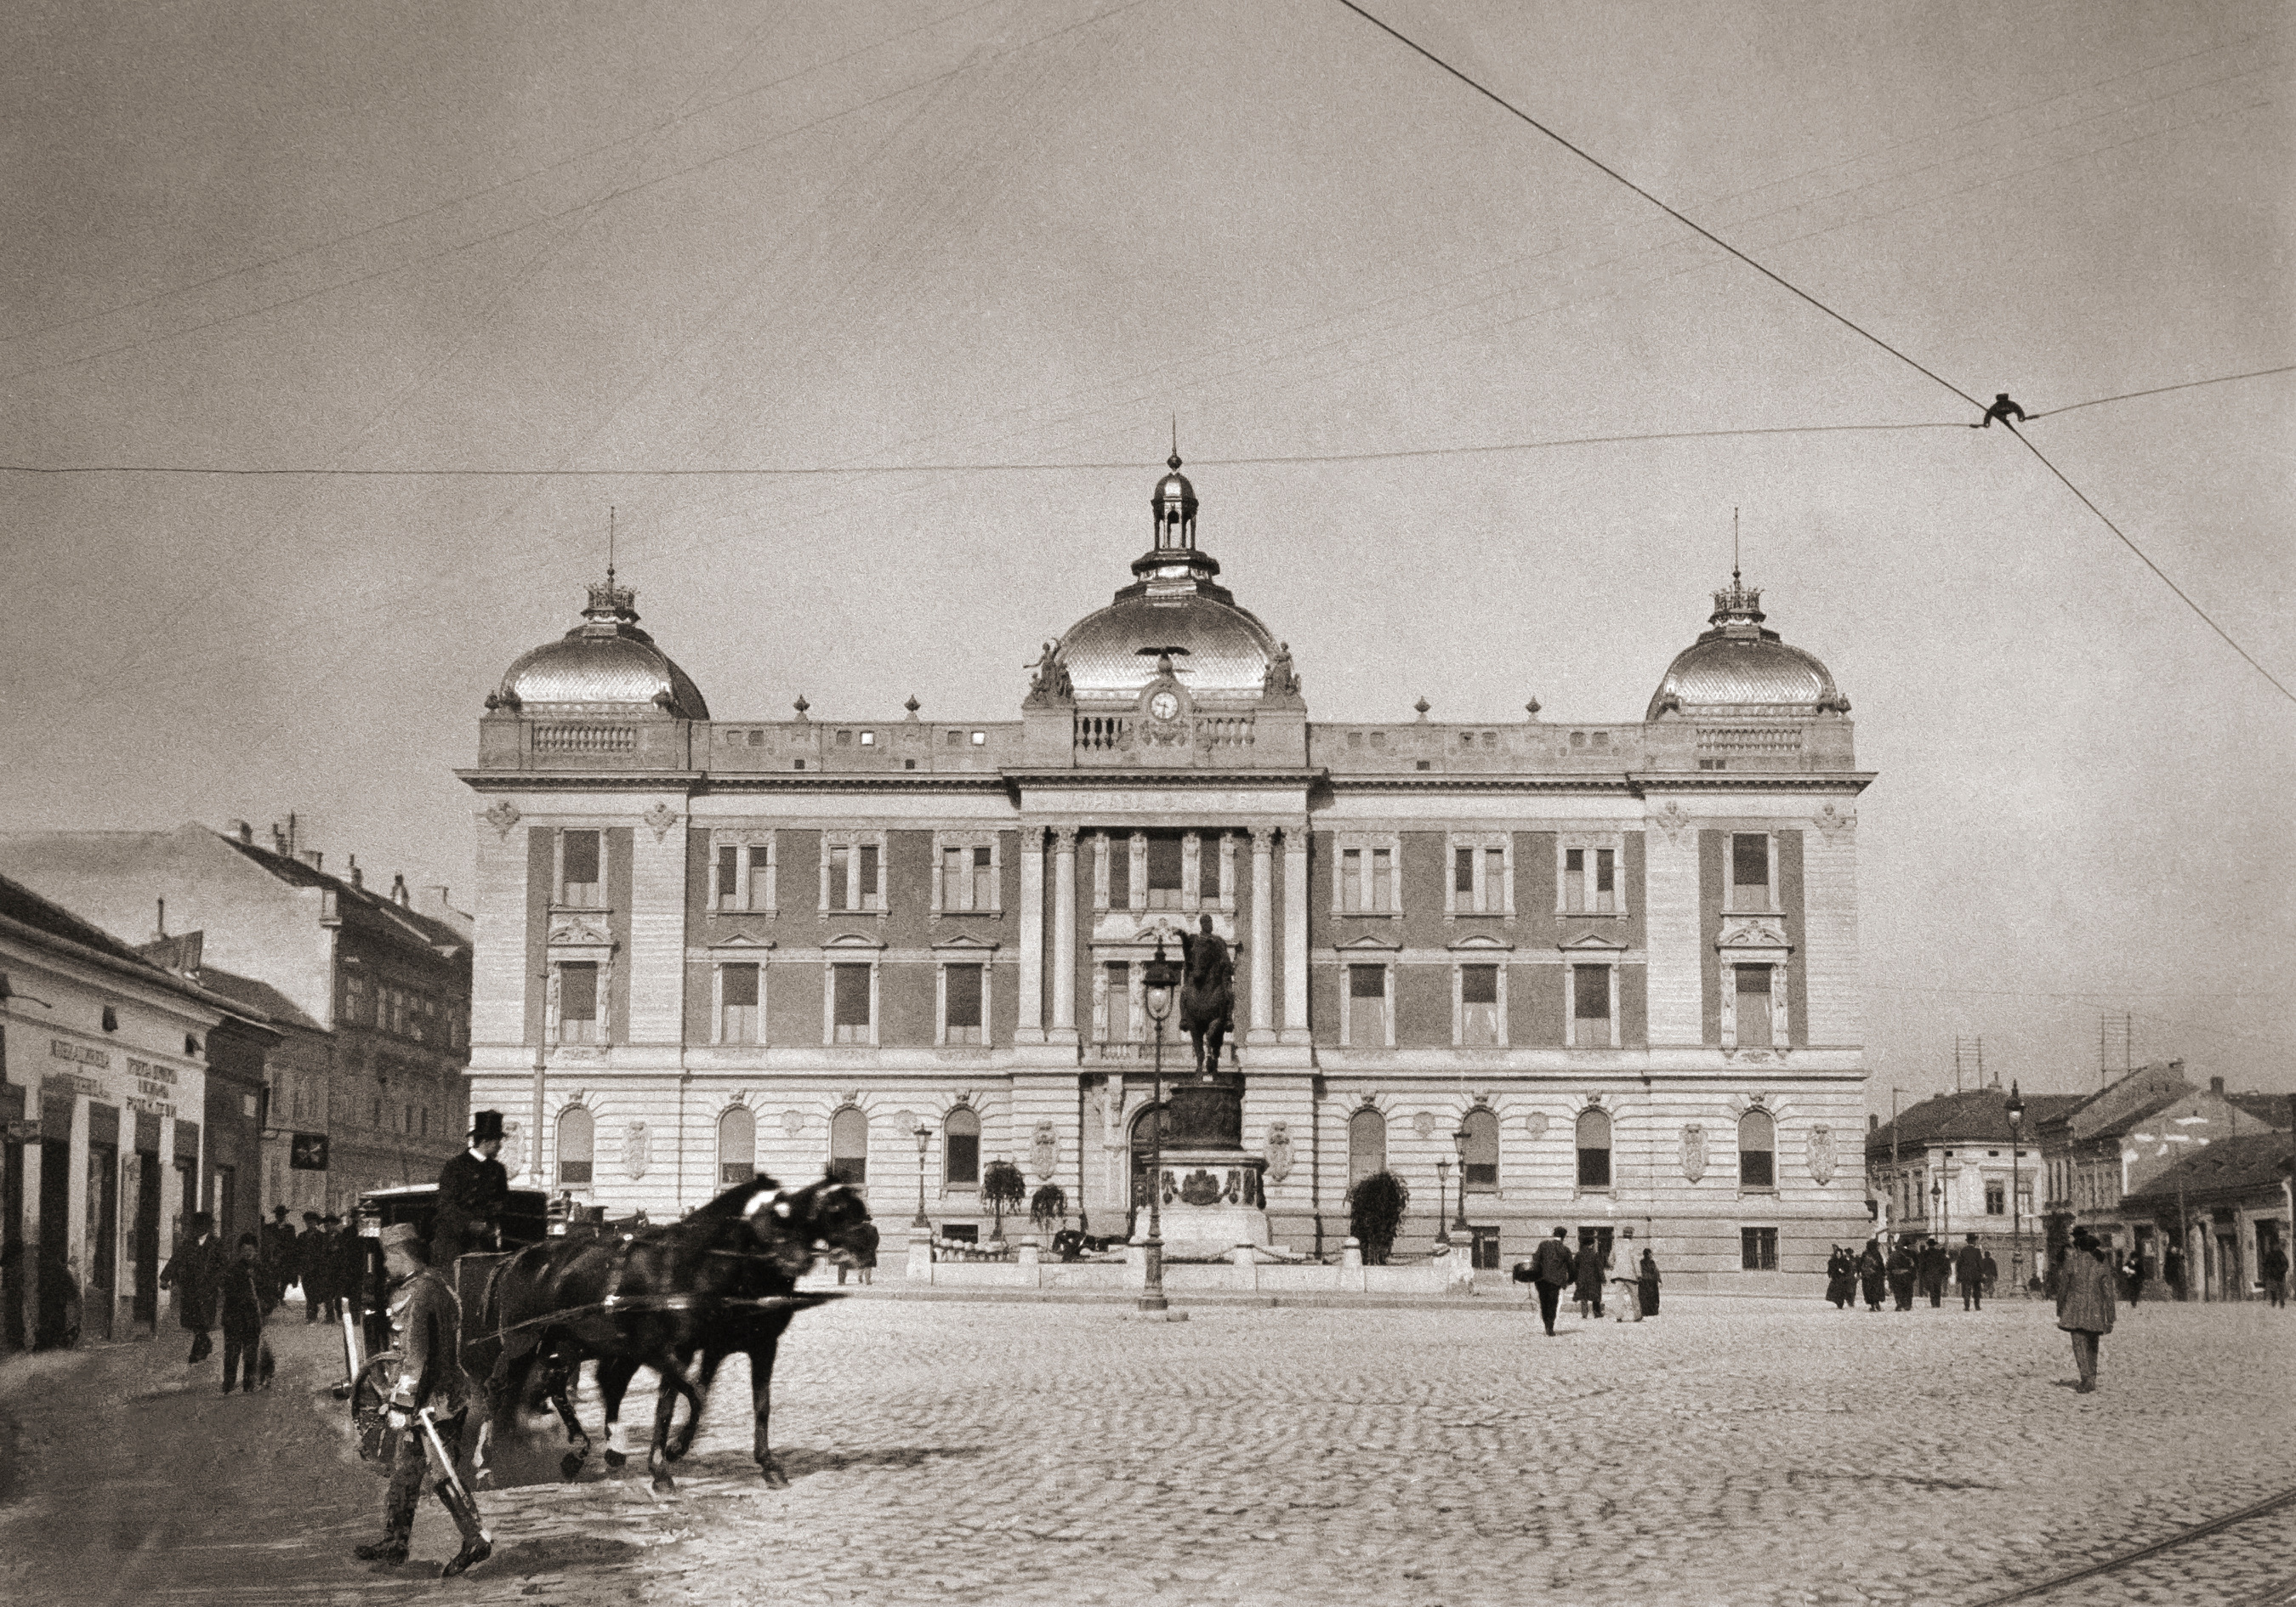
1934, 1265
1872, 1272
350, 1253
473, 1188
1902, 1269
427, 1324
193, 1271
1969, 1272
1552, 1270
1589, 1270
276, 1254
315, 1269
2085, 1304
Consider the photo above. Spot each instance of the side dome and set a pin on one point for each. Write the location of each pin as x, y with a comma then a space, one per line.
1737, 668
605, 665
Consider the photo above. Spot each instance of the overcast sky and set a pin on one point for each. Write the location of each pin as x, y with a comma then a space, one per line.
529, 236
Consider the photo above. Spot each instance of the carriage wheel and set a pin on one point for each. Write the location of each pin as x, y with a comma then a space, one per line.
369, 1393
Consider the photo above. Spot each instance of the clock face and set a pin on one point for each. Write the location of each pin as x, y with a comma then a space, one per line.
1164, 706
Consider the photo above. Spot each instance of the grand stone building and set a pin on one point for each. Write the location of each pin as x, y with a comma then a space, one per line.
1607, 971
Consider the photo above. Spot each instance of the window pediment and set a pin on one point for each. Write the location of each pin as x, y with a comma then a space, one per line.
1370, 945
1754, 940
739, 945
965, 946
1593, 945
852, 942
578, 930
1480, 943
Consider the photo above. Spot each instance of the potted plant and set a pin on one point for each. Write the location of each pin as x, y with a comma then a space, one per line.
1002, 1189
1048, 1208
1375, 1207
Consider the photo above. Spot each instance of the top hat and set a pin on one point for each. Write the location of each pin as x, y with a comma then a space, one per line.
486, 1125
278, 1210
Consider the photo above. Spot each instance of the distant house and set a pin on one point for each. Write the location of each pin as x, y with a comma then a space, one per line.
1947, 1168
2227, 1201
370, 990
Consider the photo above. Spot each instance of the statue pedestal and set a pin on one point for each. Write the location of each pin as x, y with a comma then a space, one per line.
1211, 1201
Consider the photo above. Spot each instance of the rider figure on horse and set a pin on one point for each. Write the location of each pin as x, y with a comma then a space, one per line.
1208, 993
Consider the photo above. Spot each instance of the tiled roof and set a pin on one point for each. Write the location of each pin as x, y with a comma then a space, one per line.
1974, 1116
370, 909
2228, 1166
2273, 1107
258, 998
20, 904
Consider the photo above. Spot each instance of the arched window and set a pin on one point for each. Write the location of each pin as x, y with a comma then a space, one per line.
960, 1148
577, 1136
1593, 1149
1483, 1162
737, 1145
848, 1146
1758, 1143
1366, 1144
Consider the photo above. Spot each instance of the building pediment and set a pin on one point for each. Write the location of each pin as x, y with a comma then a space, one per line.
573, 929
737, 944
1370, 943
1754, 940
1480, 943
1594, 944
964, 946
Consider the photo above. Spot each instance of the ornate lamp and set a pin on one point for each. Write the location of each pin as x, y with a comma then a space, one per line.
924, 1138
2016, 1207
1459, 1145
1159, 977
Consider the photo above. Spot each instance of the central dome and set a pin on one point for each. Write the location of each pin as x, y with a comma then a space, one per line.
1174, 605
605, 665
1737, 668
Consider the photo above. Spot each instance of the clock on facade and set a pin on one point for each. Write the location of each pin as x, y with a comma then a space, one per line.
1164, 706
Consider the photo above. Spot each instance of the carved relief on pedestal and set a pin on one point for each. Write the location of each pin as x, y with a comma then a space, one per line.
1673, 821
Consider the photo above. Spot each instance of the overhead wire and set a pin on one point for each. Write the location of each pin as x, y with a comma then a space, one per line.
2181, 595
1688, 222
2130, 396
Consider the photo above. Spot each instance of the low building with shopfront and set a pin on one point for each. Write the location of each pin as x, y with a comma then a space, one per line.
1599, 974
2227, 1202
103, 1083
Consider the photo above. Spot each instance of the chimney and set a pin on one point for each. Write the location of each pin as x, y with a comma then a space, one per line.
2216, 1084
398, 889
159, 930
278, 840
358, 876
244, 831
311, 856
1872, 1121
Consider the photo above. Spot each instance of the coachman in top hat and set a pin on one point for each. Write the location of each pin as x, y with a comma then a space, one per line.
473, 1188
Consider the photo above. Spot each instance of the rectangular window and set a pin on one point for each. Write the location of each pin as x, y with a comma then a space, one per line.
1590, 993
964, 987
729, 876
1574, 880
578, 1002
579, 876
1750, 871
1757, 1249
1462, 876
961, 1155
1114, 1022
1606, 882
1495, 880
1367, 1007
761, 876
1479, 1005
1997, 1199
1119, 872
850, 1003
841, 872
868, 890
1590, 881
984, 880
1753, 1006
1164, 873
1207, 870
1367, 882
737, 1011
956, 886
1757, 1169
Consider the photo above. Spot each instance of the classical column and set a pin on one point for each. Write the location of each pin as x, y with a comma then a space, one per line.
1029, 1027
1295, 933
1064, 842
1263, 936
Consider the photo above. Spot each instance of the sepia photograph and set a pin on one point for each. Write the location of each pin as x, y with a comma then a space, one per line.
654, 950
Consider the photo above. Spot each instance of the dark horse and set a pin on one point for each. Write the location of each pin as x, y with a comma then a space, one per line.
1208, 993
723, 1279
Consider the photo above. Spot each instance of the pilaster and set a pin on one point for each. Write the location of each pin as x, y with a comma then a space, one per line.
1670, 925
657, 983
1064, 923
1263, 936
1830, 959
1295, 935
1030, 1012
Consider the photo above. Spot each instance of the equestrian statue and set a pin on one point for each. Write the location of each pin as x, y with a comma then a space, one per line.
1206, 992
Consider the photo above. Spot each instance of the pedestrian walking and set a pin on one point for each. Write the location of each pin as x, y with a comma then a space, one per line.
1969, 1272
2274, 1264
2085, 1304
1649, 1282
1587, 1275
313, 1270
1933, 1264
2135, 1270
864, 1252
1552, 1270
1902, 1267
244, 1297
1992, 1273
1841, 1276
275, 1253
1872, 1274
193, 1272
1625, 1278
432, 1394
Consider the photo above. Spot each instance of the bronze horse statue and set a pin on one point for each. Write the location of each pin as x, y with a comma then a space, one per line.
1206, 992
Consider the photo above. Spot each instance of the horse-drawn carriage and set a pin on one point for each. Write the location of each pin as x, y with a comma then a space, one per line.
570, 1287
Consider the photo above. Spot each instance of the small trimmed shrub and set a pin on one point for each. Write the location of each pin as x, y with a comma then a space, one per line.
1375, 1207
1048, 1206
1002, 1190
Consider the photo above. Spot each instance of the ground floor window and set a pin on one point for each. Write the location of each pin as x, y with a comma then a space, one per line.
1757, 1249
1485, 1247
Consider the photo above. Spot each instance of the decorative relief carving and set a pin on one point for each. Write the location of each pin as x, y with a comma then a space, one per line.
1200, 1188
1693, 1152
1423, 1123
1833, 822
1753, 1057
1064, 839
1673, 821
1535, 1125
1279, 1149
1821, 1156
793, 1123
659, 819
636, 1148
580, 932
1044, 1151
513, 1152
502, 816
1754, 933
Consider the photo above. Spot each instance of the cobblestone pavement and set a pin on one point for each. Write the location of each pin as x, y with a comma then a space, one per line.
1729, 1451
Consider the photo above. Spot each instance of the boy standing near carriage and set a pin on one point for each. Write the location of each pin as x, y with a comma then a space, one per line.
245, 1294
428, 1406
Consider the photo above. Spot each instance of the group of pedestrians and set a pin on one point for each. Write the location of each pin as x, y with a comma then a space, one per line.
1908, 1264
1555, 1267
231, 1289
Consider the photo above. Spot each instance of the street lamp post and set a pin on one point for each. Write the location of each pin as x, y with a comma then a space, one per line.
1459, 1145
1442, 1205
2016, 1205
1937, 1201
924, 1138
1156, 984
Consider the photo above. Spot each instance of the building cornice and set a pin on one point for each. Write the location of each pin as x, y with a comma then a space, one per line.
1645, 782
